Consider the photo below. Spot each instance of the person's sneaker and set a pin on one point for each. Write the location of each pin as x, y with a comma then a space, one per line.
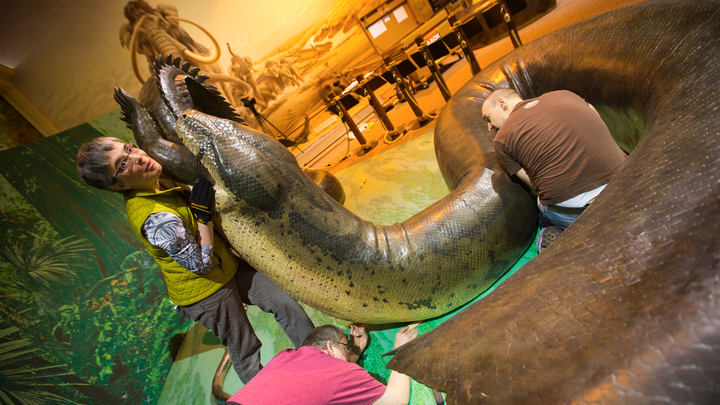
548, 236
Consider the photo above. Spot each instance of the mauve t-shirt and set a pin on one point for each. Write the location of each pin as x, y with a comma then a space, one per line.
308, 376
564, 146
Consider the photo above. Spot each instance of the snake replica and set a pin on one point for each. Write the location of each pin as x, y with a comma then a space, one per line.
624, 307
171, 90
300, 237
328, 258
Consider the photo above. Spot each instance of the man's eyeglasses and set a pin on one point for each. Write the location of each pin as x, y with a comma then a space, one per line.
124, 163
347, 347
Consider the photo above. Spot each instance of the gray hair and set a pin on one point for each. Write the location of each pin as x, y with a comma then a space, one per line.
322, 334
92, 161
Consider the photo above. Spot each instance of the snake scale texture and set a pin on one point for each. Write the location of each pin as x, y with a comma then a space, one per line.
329, 258
624, 307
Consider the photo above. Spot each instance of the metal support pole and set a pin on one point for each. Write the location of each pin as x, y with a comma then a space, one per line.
347, 119
422, 46
392, 132
464, 46
422, 117
514, 36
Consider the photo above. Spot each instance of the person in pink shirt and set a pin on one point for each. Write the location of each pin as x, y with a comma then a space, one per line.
323, 371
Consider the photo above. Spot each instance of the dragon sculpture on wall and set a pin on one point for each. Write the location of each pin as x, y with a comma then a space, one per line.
156, 31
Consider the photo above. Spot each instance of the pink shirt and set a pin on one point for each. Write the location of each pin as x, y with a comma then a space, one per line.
309, 376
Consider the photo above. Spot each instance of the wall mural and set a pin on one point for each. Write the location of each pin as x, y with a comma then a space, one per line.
84, 316
283, 87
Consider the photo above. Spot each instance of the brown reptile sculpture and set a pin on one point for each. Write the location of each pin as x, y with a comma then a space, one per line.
305, 242
174, 88
624, 307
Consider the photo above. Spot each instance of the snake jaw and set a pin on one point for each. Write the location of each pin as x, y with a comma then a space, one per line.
249, 171
197, 138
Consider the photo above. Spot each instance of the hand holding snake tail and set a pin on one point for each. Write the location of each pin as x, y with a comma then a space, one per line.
201, 200
327, 257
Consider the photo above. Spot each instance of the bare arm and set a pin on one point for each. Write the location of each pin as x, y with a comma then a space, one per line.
522, 175
593, 108
398, 386
398, 390
205, 234
358, 341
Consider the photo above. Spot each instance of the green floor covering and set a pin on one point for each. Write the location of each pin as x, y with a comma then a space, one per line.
385, 189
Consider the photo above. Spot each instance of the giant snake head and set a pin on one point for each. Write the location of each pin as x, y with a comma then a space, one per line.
165, 98
173, 89
244, 162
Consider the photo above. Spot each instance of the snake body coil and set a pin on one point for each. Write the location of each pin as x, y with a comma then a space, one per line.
623, 308
328, 258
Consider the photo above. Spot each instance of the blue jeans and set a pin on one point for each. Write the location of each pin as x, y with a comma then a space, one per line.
562, 221
547, 218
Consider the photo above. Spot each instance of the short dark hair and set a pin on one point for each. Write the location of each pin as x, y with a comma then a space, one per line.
319, 336
491, 100
92, 161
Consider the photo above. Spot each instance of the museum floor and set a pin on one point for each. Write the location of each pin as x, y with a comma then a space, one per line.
387, 185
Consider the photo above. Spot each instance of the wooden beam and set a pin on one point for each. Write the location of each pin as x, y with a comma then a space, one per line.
22, 105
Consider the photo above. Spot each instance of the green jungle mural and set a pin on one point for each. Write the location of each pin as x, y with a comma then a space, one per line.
84, 316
